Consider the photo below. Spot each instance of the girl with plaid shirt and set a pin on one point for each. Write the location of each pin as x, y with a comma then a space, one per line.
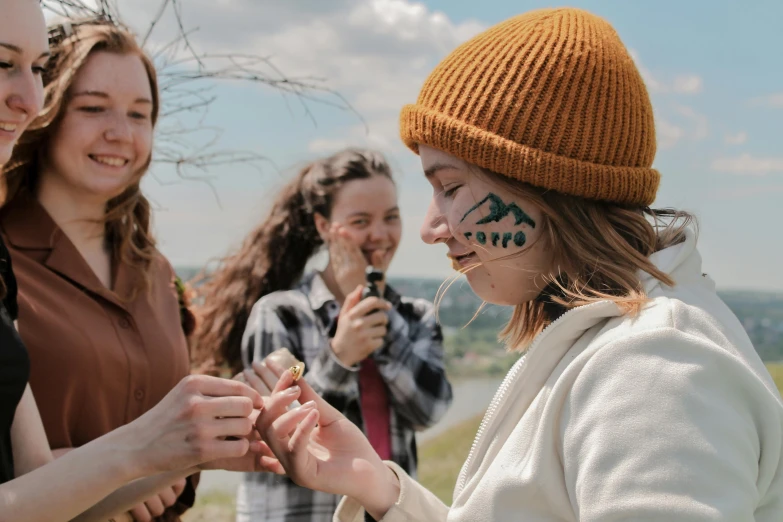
377, 360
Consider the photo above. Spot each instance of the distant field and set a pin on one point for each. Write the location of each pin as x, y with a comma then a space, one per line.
776, 370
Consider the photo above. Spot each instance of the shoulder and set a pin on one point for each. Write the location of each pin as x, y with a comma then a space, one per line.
290, 306
678, 346
416, 308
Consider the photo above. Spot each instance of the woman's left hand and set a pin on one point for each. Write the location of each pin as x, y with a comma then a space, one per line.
157, 505
321, 449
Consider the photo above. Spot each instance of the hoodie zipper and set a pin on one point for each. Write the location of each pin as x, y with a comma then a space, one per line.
506, 384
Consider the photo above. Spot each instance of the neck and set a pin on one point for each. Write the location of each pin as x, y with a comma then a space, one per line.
78, 215
331, 283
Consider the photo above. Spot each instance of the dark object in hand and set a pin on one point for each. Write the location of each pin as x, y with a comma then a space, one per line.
373, 276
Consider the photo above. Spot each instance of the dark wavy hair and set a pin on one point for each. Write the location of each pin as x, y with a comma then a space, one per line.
272, 257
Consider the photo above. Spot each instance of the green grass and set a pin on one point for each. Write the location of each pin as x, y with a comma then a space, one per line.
441, 459
776, 370
212, 506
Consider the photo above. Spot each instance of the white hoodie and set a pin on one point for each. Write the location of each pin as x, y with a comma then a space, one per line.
667, 416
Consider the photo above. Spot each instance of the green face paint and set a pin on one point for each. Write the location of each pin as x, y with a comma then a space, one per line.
481, 237
495, 238
467, 235
499, 210
506, 239
520, 239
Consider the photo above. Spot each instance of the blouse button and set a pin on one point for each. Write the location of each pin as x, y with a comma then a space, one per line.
139, 394
124, 323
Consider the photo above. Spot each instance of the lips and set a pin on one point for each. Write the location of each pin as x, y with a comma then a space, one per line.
463, 260
8, 127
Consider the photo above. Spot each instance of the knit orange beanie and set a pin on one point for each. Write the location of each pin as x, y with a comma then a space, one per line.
551, 98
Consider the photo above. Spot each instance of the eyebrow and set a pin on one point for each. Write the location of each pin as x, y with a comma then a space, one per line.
101, 94
433, 169
18, 50
368, 214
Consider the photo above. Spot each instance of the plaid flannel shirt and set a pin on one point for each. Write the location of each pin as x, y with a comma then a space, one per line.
410, 363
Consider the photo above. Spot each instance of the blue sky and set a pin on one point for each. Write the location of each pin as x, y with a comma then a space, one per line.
713, 68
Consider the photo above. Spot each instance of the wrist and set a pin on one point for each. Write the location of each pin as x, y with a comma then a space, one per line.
341, 355
132, 458
384, 495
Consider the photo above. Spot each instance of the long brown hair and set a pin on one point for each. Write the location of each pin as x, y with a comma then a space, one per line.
127, 218
273, 256
598, 249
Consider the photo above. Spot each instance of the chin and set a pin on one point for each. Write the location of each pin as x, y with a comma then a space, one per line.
5, 154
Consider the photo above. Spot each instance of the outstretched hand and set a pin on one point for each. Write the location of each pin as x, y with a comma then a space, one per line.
321, 449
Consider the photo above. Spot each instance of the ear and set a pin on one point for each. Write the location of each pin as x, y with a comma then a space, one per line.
322, 225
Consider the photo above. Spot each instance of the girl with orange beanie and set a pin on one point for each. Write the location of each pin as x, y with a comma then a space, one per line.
639, 395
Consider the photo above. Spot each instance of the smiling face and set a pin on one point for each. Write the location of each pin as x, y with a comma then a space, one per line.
368, 210
492, 233
23, 53
104, 140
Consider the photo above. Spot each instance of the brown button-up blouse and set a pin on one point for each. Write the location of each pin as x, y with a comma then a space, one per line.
98, 360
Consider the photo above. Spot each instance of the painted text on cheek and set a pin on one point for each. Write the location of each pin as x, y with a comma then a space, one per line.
498, 210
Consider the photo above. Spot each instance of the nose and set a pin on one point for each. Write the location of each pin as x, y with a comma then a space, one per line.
119, 129
378, 232
435, 228
26, 95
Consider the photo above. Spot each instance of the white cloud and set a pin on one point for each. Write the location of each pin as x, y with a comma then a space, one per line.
772, 100
699, 126
376, 53
669, 134
746, 164
736, 139
690, 84
682, 84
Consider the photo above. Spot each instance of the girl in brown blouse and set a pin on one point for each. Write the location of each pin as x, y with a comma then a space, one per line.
98, 309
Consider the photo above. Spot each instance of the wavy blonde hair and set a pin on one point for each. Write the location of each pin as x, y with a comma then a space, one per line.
127, 218
598, 247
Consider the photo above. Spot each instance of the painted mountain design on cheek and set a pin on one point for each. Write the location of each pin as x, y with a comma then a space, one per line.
498, 210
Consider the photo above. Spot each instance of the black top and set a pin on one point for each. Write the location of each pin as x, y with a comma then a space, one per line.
14, 364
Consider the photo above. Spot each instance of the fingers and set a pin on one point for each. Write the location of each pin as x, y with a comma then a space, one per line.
229, 427
140, 513
179, 487
267, 375
327, 413
301, 437
168, 497
285, 380
276, 405
225, 407
225, 449
285, 425
252, 378
369, 305
377, 334
377, 259
377, 319
217, 387
352, 299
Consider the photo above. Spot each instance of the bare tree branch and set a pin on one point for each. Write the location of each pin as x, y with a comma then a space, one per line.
186, 79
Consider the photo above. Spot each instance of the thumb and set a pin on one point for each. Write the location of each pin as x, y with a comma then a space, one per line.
353, 298
377, 258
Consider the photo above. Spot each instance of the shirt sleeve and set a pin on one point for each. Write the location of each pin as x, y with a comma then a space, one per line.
411, 364
415, 504
664, 425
